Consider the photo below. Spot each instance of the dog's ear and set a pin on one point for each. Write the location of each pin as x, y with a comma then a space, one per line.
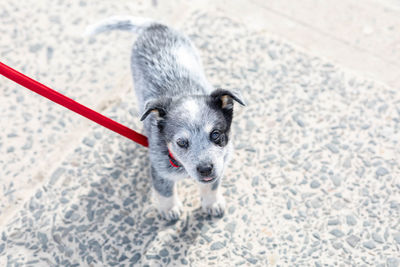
157, 106
224, 98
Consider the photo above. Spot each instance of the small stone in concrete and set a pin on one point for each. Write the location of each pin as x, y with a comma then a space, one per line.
127, 201
316, 235
337, 233
337, 245
82, 228
252, 260
255, 181
377, 238
35, 47
332, 148
352, 240
386, 234
89, 142
369, 244
333, 222
42, 239
129, 220
351, 220
315, 184
56, 175
336, 180
394, 205
289, 204
396, 237
164, 253
122, 258
217, 245
316, 203
116, 217
307, 166
298, 120
230, 227
366, 224
28, 144
381, 171
152, 257
97, 135
287, 216
116, 174
135, 258
290, 238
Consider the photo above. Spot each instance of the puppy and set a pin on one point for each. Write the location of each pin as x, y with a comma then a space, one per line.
186, 120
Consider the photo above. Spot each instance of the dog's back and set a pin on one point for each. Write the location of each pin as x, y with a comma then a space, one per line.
164, 62
168, 62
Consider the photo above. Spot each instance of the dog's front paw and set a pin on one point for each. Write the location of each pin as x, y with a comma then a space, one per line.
171, 213
214, 207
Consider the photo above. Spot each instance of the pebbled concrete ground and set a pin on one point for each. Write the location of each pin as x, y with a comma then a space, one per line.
314, 182
48, 47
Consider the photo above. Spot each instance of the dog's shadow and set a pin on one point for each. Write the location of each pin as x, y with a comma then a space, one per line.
120, 223
176, 241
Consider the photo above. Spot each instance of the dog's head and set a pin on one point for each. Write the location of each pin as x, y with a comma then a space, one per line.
196, 129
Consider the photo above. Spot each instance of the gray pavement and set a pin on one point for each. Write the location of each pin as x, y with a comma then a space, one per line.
314, 180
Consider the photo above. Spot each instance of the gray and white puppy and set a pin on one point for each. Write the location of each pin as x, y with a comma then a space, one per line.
186, 120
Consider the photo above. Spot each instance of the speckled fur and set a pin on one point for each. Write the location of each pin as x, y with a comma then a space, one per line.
177, 101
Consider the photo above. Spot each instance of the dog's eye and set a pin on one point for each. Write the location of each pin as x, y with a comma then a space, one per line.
182, 143
215, 135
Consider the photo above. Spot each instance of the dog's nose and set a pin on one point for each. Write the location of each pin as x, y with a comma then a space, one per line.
205, 169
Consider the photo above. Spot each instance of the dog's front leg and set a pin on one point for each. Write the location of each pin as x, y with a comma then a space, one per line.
168, 203
212, 200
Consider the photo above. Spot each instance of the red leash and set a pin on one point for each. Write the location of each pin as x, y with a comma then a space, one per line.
71, 104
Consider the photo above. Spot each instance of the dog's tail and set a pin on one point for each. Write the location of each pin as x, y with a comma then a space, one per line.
133, 24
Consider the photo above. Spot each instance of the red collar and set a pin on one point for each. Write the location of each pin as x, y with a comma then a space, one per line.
173, 161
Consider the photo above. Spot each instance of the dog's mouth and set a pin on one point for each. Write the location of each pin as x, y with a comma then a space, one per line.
207, 180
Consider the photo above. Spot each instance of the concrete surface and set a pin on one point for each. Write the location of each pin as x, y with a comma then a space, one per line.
315, 180
360, 36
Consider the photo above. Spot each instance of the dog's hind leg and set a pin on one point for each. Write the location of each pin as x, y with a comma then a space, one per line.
212, 200
164, 191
